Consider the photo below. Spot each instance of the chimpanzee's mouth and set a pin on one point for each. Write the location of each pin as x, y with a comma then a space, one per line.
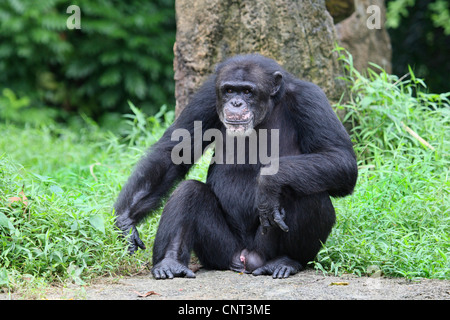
239, 127
242, 119
238, 122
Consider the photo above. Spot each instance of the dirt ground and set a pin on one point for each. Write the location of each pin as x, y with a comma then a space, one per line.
228, 285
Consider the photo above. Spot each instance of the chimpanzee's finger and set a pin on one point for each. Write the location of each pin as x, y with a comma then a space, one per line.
283, 213
134, 241
189, 273
279, 220
265, 223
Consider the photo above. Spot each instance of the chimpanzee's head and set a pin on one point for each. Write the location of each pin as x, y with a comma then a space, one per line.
247, 88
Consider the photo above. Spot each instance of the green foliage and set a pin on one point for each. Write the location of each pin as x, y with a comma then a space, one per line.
420, 34
398, 217
439, 12
387, 113
123, 51
440, 15
143, 130
18, 110
396, 10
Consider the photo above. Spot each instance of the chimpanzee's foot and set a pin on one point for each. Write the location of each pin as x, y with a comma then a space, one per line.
169, 268
279, 268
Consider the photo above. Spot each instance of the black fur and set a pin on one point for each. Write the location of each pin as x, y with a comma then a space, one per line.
239, 218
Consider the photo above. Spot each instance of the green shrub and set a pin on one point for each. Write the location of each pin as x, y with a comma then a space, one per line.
123, 51
19, 110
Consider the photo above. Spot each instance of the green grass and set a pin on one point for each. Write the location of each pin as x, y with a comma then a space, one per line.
397, 219
64, 229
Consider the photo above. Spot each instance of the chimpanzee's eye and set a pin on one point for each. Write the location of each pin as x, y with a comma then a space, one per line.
246, 91
229, 91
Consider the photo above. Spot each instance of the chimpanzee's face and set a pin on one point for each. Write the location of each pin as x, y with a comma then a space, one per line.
243, 97
238, 106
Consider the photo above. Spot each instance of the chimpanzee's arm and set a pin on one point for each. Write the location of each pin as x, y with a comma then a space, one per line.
156, 174
327, 162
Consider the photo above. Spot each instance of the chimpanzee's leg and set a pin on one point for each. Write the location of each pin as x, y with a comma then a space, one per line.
310, 220
192, 219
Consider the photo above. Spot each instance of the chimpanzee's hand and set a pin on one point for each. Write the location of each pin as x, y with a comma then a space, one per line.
270, 213
134, 242
272, 217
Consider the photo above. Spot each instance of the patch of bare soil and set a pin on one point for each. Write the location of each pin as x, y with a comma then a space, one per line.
228, 285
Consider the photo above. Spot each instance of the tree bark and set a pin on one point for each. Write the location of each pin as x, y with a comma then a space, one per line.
299, 35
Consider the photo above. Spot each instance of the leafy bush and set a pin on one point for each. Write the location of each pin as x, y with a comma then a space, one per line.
420, 36
19, 110
123, 51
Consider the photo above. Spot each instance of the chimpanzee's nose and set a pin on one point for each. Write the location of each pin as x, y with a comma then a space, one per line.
236, 103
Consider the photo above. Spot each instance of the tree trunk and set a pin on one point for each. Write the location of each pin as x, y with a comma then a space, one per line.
299, 35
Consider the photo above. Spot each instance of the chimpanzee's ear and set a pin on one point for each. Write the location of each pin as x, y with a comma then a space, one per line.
277, 81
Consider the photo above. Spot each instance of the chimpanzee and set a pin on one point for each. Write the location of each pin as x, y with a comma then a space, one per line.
242, 218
